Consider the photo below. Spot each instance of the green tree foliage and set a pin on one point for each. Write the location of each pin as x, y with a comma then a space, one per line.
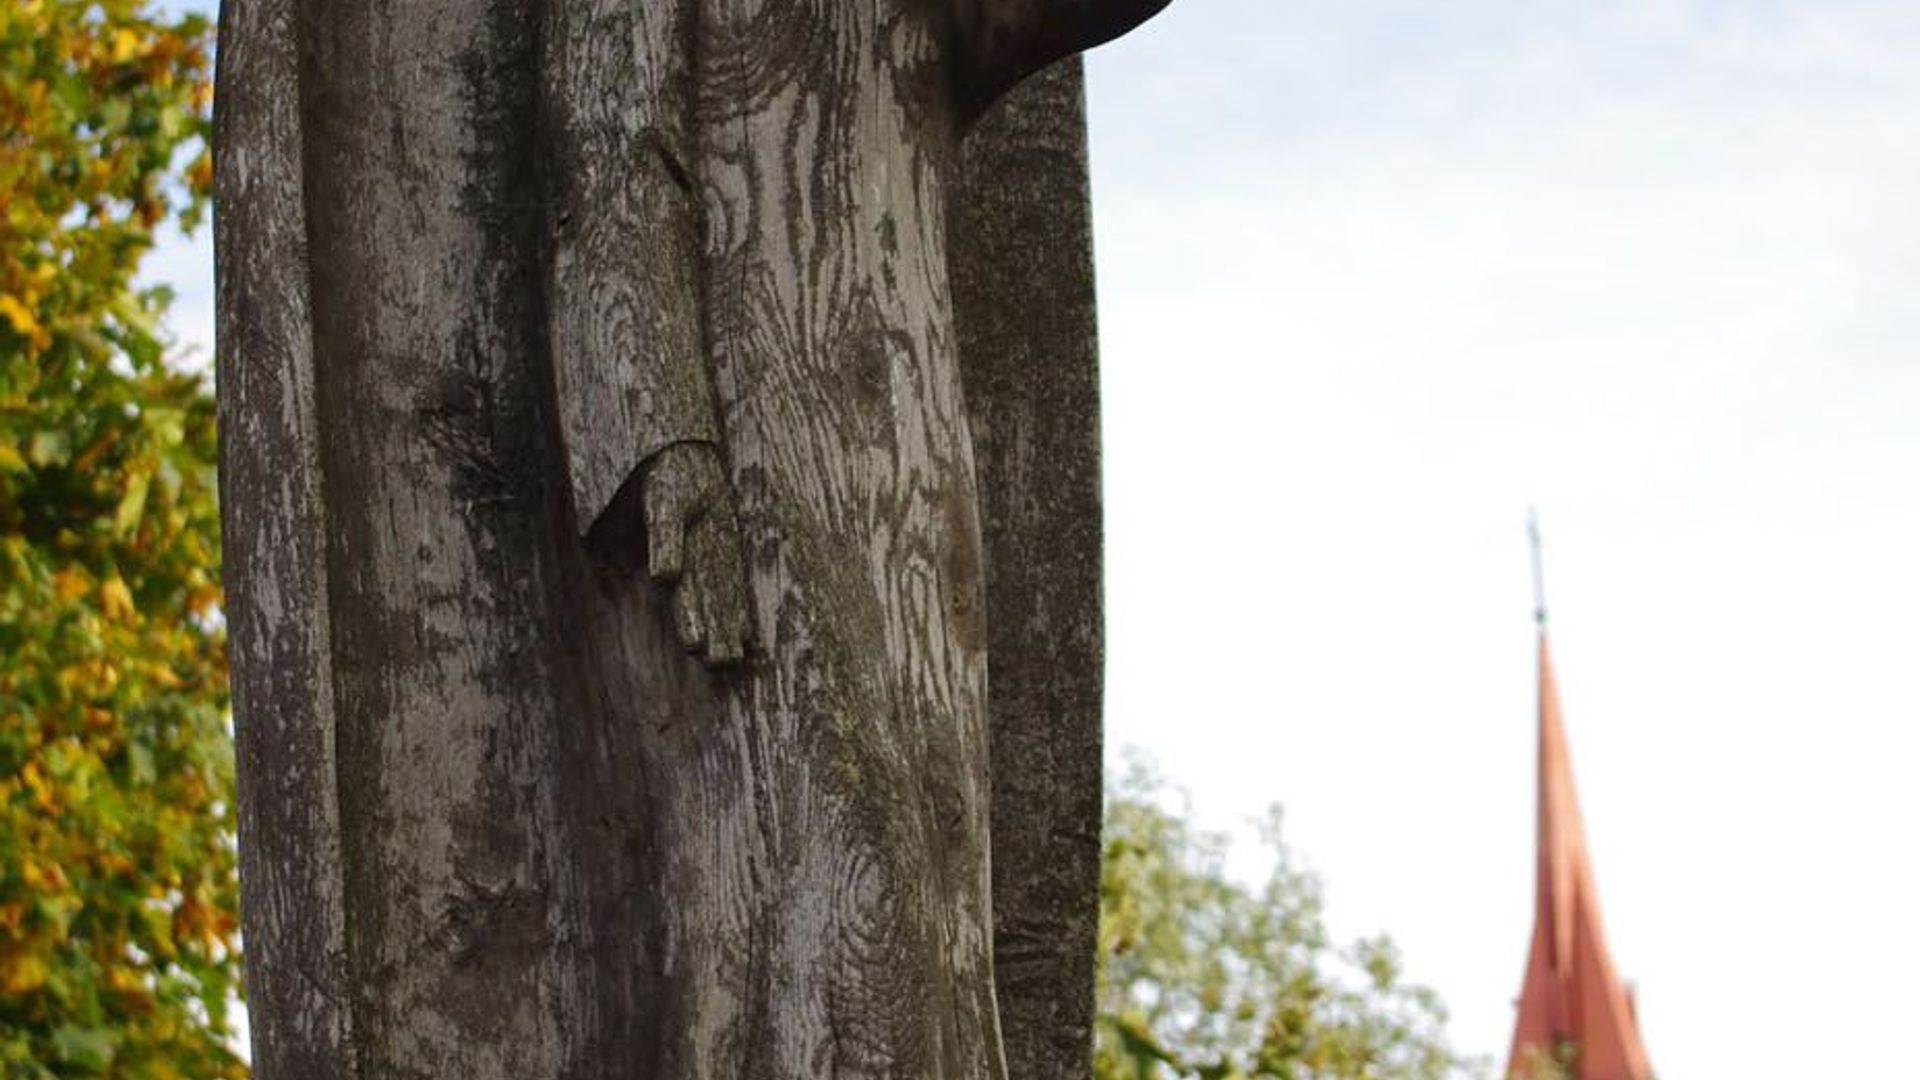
1535, 1065
117, 894
1202, 976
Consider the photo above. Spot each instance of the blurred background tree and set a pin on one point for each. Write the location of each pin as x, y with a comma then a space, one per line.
1537, 1066
1202, 976
117, 894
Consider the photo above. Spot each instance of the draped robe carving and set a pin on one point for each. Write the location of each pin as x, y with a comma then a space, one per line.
482, 263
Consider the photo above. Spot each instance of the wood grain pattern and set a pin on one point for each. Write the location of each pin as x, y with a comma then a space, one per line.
852, 854
498, 823
276, 600
626, 330
435, 457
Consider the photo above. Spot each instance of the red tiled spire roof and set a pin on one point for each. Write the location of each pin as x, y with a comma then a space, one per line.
1572, 996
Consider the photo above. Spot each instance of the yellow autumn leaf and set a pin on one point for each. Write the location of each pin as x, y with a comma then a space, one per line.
19, 315
121, 979
202, 598
69, 584
115, 599
36, 782
41, 875
21, 972
200, 173
126, 45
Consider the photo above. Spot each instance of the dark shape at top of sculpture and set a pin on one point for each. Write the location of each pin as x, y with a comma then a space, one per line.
1003, 41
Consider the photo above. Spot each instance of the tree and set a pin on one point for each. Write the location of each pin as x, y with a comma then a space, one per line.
117, 893
1202, 976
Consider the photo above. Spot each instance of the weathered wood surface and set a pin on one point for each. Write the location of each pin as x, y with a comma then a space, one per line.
1022, 271
496, 821
276, 578
626, 332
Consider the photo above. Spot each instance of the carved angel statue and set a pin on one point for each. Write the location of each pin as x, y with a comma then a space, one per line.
609, 600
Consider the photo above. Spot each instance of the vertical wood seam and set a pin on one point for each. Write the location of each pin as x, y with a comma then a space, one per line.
341, 972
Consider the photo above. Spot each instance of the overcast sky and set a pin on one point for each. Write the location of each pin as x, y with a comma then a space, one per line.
1375, 274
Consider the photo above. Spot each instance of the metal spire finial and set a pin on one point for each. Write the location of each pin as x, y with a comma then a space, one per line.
1539, 576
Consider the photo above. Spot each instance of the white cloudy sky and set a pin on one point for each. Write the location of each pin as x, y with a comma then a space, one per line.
1377, 273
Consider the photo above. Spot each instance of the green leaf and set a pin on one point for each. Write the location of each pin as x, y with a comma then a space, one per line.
88, 1048
115, 113
133, 503
140, 763
49, 447
168, 425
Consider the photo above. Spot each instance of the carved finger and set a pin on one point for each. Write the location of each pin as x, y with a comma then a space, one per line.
729, 645
725, 644
666, 542
736, 606
707, 564
688, 615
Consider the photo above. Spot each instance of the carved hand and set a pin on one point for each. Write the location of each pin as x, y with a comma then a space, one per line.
693, 547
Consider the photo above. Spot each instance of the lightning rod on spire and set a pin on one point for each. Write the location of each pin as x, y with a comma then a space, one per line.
1539, 577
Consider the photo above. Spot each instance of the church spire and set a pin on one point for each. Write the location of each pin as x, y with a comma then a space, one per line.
1573, 1006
